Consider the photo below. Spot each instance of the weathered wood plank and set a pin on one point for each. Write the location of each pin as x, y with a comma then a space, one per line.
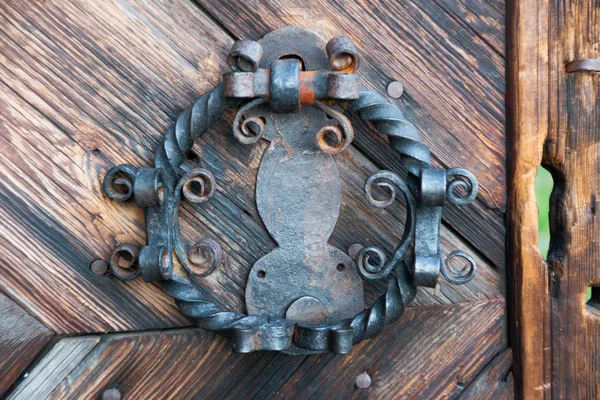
109, 104
494, 382
80, 94
485, 18
22, 337
431, 352
556, 120
52, 234
528, 107
54, 367
571, 155
454, 87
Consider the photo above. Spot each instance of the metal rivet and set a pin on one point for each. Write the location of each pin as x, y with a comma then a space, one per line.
363, 380
99, 267
353, 250
111, 394
395, 89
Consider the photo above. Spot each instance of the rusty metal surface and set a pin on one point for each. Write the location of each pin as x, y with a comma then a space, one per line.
266, 69
585, 65
298, 196
305, 296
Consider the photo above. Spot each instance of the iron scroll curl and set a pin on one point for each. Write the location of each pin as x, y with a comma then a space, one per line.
159, 191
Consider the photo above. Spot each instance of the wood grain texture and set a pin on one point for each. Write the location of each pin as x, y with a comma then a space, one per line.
54, 367
453, 79
528, 110
571, 154
113, 94
494, 382
556, 120
86, 86
191, 363
485, 18
22, 337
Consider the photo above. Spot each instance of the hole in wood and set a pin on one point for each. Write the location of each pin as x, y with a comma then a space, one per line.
593, 299
543, 189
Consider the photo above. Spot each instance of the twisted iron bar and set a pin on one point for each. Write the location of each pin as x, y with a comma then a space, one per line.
251, 333
192, 123
389, 120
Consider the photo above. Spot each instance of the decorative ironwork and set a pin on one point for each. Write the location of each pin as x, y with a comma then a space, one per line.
306, 295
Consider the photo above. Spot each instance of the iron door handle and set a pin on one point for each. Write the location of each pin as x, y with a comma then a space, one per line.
306, 295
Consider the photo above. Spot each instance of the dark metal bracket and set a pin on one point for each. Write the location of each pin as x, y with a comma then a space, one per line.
291, 88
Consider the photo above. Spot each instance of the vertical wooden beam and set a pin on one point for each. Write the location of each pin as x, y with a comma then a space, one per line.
528, 127
572, 154
554, 119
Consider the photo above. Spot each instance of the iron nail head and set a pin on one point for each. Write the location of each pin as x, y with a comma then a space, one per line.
395, 89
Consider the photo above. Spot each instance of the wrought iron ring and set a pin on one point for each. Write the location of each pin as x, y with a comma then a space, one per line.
281, 74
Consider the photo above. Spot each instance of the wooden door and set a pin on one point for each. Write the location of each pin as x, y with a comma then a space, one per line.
87, 85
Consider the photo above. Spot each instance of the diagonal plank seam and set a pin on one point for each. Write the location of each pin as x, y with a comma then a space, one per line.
106, 339
214, 19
